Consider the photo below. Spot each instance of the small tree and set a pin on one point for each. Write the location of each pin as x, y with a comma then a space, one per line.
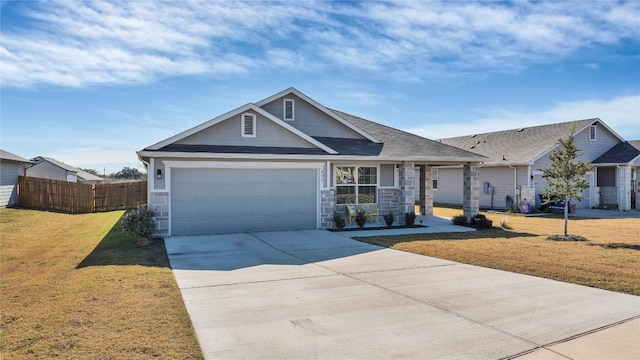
565, 177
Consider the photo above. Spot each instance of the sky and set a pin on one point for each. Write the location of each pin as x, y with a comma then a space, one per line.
91, 83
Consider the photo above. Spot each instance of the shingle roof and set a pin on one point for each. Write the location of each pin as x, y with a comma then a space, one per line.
621, 153
517, 146
5, 155
81, 173
399, 144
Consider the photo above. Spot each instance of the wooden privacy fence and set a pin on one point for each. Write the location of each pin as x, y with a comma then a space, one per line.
37, 193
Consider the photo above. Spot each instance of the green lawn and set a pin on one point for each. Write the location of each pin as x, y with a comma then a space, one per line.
73, 286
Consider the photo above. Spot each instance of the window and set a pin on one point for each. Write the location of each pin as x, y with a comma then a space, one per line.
248, 125
356, 185
289, 110
434, 179
592, 133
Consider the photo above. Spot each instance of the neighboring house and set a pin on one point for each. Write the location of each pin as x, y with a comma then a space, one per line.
48, 168
11, 166
617, 175
515, 157
288, 162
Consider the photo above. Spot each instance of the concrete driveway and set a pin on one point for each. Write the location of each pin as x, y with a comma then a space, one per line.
317, 294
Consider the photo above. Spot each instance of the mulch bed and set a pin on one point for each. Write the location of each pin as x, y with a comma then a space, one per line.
380, 228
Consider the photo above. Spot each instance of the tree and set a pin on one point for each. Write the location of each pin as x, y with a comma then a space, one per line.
129, 174
565, 177
92, 171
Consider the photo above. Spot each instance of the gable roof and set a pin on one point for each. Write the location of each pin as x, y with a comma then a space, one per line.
520, 146
5, 155
237, 111
401, 144
81, 173
318, 106
621, 153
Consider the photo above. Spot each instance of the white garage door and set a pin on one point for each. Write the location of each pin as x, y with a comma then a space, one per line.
212, 201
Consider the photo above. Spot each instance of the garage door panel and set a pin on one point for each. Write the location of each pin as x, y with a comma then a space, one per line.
205, 201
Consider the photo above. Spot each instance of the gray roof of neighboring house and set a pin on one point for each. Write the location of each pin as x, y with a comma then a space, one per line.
81, 173
5, 155
621, 153
398, 143
518, 146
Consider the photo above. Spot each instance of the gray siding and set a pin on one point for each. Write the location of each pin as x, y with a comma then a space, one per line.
228, 133
501, 178
310, 120
387, 174
47, 170
9, 172
449, 186
605, 140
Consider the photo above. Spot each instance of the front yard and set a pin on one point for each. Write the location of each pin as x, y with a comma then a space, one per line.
73, 286
610, 260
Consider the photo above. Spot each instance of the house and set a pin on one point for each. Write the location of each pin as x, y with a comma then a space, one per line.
11, 166
512, 173
48, 168
617, 175
288, 162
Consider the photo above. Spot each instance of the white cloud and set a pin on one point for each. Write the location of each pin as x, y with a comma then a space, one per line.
622, 114
74, 43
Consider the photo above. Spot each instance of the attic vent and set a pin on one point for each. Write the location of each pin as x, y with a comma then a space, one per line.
521, 130
474, 135
592, 133
289, 110
248, 125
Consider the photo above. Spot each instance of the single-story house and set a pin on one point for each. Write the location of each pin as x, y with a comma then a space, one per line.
48, 168
11, 166
617, 175
288, 162
512, 172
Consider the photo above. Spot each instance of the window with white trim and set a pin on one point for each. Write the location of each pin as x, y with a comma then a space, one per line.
356, 184
248, 125
289, 109
592, 133
434, 179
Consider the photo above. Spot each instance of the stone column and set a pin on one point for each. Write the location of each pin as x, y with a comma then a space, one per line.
427, 183
159, 203
470, 190
407, 187
422, 189
624, 188
327, 208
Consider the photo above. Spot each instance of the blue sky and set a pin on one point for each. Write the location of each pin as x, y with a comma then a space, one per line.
90, 83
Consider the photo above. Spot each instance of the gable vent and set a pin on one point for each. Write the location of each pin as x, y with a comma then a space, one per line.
248, 125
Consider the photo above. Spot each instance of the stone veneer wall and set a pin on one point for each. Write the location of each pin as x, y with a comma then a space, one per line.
471, 190
159, 203
327, 208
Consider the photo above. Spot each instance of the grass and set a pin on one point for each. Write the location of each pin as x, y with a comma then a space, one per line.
609, 260
73, 286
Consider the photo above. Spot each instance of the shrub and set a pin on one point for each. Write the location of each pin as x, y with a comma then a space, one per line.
388, 218
484, 223
475, 219
410, 218
459, 219
139, 223
361, 218
339, 220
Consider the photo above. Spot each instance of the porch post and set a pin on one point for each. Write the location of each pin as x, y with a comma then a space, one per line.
624, 188
471, 190
407, 187
422, 189
427, 194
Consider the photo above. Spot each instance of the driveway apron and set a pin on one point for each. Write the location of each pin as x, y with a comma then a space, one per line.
316, 294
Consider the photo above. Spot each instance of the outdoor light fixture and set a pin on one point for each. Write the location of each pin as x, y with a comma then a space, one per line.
159, 176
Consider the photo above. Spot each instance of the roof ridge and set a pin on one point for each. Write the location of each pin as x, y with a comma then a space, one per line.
524, 127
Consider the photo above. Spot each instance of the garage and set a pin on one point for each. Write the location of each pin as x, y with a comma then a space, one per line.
214, 201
